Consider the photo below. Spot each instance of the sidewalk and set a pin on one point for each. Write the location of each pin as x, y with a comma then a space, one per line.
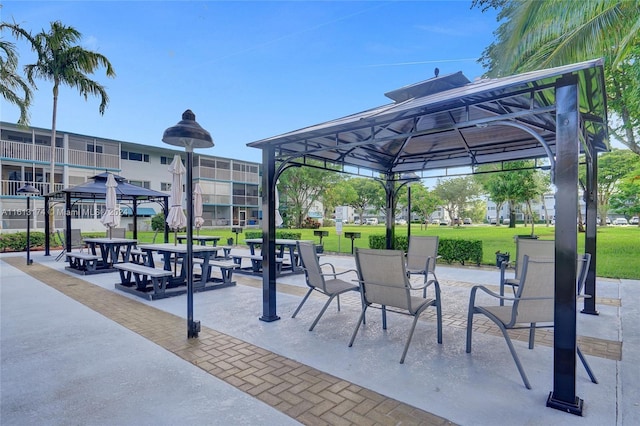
104, 357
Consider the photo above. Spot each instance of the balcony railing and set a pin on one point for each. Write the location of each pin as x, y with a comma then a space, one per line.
42, 154
10, 187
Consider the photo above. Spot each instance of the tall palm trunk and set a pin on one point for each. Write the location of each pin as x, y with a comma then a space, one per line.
52, 178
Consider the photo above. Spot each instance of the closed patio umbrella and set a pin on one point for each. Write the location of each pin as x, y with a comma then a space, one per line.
111, 217
197, 207
176, 218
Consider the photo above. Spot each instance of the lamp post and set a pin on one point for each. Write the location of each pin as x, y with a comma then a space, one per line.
28, 190
188, 134
407, 179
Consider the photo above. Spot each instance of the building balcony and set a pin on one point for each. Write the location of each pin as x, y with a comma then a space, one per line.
41, 154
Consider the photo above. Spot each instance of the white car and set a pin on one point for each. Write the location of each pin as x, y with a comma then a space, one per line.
634, 220
371, 221
620, 221
401, 222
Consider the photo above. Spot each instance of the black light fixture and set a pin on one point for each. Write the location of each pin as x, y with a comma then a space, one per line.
29, 191
407, 179
189, 134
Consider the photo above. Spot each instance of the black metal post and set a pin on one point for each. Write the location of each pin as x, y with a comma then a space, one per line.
193, 327
47, 230
563, 397
268, 236
29, 261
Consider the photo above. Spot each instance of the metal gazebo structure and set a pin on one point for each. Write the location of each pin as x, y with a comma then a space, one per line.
96, 189
448, 122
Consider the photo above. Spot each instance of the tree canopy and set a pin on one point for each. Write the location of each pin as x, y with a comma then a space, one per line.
531, 36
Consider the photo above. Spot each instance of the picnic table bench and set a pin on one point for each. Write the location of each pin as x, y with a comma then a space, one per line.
226, 269
82, 261
142, 276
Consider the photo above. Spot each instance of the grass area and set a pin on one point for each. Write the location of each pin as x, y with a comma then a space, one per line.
618, 254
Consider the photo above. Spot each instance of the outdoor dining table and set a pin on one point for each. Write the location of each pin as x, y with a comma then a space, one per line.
282, 246
202, 239
110, 249
168, 250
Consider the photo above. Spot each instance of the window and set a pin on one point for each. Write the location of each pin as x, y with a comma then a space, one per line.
143, 183
94, 148
165, 160
134, 156
165, 186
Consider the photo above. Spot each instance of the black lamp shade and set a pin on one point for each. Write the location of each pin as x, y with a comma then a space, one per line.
188, 133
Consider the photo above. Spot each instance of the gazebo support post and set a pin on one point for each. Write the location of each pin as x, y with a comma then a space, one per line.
269, 236
390, 214
135, 218
67, 221
47, 229
563, 397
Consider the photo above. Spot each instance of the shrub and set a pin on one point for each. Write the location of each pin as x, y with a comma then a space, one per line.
157, 222
449, 250
18, 241
310, 223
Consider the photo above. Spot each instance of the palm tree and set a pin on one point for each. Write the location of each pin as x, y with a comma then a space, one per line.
63, 62
541, 34
11, 82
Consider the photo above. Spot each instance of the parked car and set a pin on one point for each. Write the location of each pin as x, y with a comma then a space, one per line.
444, 222
620, 221
506, 221
401, 222
634, 220
435, 221
467, 221
493, 221
356, 222
371, 221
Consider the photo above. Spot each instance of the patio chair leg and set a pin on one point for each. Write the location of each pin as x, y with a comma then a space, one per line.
324, 308
532, 335
384, 317
515, 357
304, 299
338, 299
406, 345
439, 314
586, 366
355, 332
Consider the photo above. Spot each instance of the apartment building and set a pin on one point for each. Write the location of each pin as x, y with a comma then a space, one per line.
230, 187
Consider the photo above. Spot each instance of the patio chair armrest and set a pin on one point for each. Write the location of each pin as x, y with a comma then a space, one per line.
333, 269
475, 288
335, 274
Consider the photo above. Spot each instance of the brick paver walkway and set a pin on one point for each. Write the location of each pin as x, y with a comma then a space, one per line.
302, 392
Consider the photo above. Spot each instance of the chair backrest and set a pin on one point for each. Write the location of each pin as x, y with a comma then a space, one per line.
117, 233
383, 277
538, 283
532, 248
309, 259
422, 250
76, 238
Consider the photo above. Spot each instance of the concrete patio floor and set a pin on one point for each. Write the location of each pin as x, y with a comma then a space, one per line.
74, 350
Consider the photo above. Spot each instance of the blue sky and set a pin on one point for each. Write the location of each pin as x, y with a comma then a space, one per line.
248, 70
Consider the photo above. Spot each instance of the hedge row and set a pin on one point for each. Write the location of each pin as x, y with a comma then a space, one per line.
449, 250
18, 241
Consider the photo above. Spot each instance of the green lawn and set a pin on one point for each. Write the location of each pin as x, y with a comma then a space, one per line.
618, 247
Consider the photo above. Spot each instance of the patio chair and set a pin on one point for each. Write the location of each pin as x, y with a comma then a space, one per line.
384, 282
533, 306
421, 259
524, 247
317, 279
76, 242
